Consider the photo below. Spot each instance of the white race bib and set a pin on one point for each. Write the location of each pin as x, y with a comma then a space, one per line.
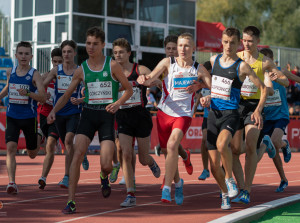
221, 87
100, 92
135, 99
248, 88
182, 80
63, 83
15, 97
50, 91
274, 100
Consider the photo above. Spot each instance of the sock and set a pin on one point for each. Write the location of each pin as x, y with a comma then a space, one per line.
43, 178
167, 187
178, 184
131, 193
224, 194
12, 182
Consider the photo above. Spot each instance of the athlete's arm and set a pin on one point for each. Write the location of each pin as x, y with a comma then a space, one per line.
37, 81
205, 76
290, 75
4, 91
49, 76
268, 83
62, 101
118, 74
280, 78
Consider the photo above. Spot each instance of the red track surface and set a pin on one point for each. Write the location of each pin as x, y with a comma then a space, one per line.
201, 203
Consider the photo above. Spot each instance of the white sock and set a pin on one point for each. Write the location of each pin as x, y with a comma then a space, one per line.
167, 187
178, 184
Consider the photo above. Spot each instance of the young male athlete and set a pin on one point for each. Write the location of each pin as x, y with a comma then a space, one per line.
67, 118
252, 101
228, 74
24, 88
176, 107
101, 76
134, 120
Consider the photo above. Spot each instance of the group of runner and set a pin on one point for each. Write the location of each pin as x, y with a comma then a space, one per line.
82, 100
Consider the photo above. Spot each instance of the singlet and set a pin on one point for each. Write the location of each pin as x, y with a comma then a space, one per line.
249, 90
276, 106
46, 108
62, 83
139, 91
205, 92
100, 86
175, 100
226, 85
21, 107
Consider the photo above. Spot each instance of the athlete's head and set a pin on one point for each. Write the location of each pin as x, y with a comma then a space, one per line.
251, 36
96, 32
95, 41
230, 40
68, 49
185, 45
24, 53
170, 44
121, 50
267, 52
56, 57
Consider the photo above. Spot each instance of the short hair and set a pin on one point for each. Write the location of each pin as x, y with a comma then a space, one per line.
170, 39
56, 52
70, 43
186, 36
24, 44
267, 52
252, 31
207, 65
97, 32
122, 42
232, 32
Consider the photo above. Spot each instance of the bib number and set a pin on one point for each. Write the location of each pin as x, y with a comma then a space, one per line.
274, 100
248, 88
100, 92
15, 97
221, 87
135, 99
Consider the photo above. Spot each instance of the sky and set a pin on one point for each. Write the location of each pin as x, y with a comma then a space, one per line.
5, 7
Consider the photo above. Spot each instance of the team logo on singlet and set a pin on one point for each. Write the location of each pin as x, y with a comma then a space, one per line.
27, 78
105, 74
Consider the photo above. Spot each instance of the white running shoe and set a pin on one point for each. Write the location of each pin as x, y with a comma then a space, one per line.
122, 182
129, 201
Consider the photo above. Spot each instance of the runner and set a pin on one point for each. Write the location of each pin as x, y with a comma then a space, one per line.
24, 88
249, 104
67, 118
176, 107
101, 76
134, 120
223, 118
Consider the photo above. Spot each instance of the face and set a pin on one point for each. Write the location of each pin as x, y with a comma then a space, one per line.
57, 60
121, 55
94, 46
250, 42
230, 44
171, 49
68, 53
185, 48
23, 55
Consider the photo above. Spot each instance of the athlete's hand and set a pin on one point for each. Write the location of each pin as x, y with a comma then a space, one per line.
51, 117
257, 118
22, 91
142, 79
273, 76
205, 101
112, 108
82, 91
76, 101
197, 85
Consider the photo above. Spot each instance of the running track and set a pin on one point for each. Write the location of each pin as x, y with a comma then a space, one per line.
201, 203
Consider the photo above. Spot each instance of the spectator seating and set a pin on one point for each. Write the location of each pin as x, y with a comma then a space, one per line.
7, 62
2, 51
3, 75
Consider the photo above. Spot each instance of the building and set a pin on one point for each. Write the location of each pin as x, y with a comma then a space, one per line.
144, 23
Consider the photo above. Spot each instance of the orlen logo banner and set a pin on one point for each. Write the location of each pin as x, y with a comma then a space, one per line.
293, 133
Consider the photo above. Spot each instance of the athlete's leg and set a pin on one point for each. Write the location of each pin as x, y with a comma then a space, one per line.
49, 158
106, 156
11, 160
222, 143
143, 151
70, 151
204, 152
182, 152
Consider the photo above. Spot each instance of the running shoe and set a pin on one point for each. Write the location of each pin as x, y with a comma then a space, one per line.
105, 186
130, 201
122, 181
12, 188
232, 188
163, 184
270, 147
225, 202
179, 193
205, 174
64, 183
245, 198
157, 150
237, 199
85, 163
166, 196
114, 173
42, 183
187, 163
155, 169
282, 186
287, 154
70, 208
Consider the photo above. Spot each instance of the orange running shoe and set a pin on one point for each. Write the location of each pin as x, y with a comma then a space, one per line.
187, 163
163, 184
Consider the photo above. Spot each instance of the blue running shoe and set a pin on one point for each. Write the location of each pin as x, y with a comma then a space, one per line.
237, 199
232, 188
64, 183
225, 202
205, 174
166, 196
245, 198
287, 154
105, 186
114, 173
70, 209
270, 147
179, 193
155, 169
282, 186
85, 163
